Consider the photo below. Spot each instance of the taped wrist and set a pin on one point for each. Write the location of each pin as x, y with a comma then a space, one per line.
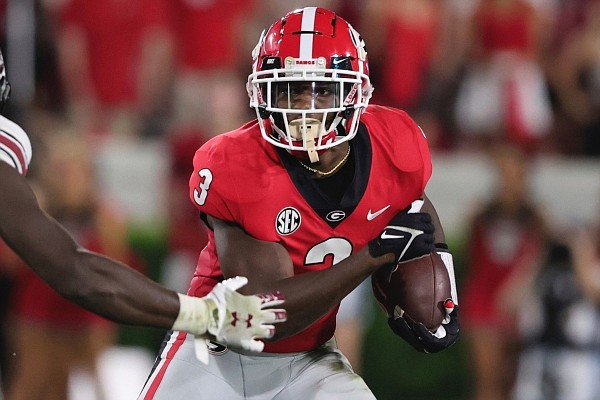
194, 314
446, 256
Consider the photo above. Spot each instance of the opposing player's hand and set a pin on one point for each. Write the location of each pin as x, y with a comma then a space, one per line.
408, 235
229, 316
240, 320
419, 337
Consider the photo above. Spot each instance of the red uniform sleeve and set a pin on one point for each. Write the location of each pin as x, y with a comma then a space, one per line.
421, 151
406, 144
210, 188
234, 175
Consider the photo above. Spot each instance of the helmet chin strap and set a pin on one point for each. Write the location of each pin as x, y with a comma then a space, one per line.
312, 126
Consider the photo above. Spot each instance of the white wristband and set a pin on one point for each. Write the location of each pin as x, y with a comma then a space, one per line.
193, 315
446, 257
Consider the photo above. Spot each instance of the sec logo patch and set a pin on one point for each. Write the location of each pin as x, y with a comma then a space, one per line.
288, 221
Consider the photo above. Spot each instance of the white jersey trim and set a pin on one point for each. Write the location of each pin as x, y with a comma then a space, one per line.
15, 147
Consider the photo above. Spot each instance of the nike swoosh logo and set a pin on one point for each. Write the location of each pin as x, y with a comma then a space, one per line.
339, 60
385, 235
373, 215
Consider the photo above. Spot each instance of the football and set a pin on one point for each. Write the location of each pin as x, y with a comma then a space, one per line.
415, 289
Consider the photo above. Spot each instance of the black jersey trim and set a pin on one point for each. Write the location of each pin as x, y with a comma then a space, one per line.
319, 201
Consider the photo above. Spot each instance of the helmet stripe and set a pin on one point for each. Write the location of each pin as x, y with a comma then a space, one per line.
306, 39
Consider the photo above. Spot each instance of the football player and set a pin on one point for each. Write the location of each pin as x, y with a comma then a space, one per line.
308, 199
105, 286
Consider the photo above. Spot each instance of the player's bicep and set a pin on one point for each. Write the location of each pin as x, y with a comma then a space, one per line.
430, 209
240, 254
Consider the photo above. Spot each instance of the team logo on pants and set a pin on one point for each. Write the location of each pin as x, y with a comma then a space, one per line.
215, 348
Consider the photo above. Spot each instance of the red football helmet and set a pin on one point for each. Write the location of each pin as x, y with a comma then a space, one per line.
310, 81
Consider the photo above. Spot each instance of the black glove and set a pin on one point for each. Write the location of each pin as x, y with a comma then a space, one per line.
407, 235
419, 337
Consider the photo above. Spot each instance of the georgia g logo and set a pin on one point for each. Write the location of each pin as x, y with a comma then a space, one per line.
288, 221
335, 216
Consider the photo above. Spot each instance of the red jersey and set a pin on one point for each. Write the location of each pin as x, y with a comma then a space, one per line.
412, 47
501, 246
510, 29
194, 20
113, 32
239, 177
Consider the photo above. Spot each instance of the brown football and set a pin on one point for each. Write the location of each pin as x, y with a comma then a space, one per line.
418, 287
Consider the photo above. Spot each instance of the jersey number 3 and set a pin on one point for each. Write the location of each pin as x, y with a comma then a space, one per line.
201, 191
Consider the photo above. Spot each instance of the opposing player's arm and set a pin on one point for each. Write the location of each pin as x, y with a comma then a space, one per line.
270, 268
114, 290
92, 280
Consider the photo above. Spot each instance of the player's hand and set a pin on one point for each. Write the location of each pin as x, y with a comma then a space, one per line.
408, 235
419, 337
240, 320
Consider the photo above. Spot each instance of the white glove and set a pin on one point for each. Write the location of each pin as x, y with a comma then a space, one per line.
232, 318
239, 320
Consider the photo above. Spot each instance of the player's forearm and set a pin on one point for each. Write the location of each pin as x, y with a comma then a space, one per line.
311, 295
120, 293
93, 281
429, 208
269, 267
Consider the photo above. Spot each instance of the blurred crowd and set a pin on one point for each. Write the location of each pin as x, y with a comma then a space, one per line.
511, 79
470, 71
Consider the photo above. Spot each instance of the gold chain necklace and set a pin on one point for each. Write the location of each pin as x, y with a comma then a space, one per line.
332, 170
